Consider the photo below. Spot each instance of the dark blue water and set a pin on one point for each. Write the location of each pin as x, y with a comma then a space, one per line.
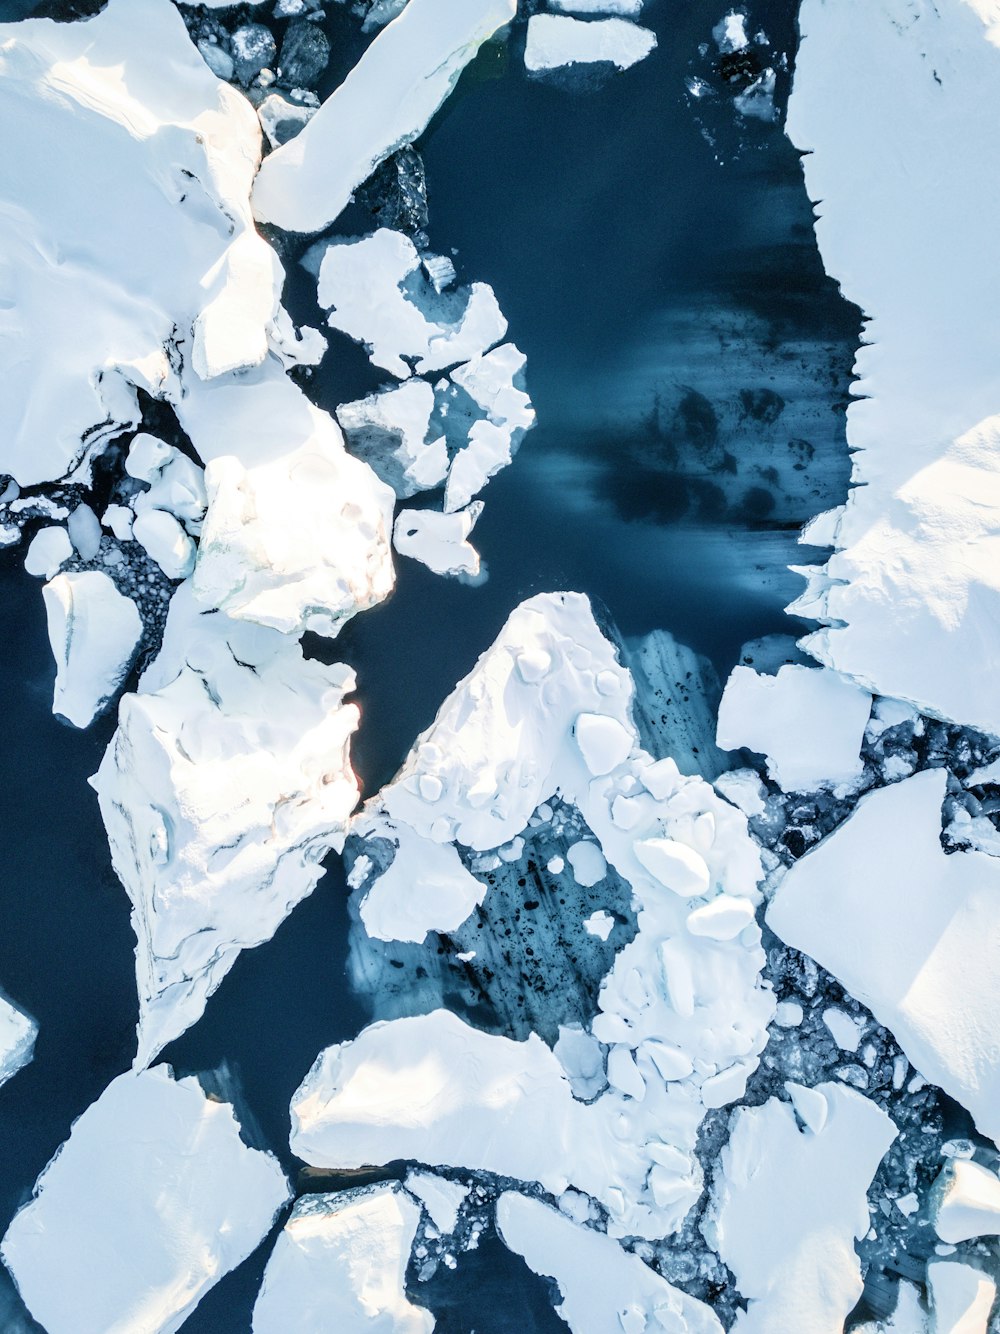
634, 266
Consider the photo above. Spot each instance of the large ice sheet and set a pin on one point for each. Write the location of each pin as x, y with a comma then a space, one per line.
152, 1199
912, 932
809, 722
94, 631
304, 185
603, 1287
910, 600
339, 1264
226, 783
546, 713
788, 1203
125, 228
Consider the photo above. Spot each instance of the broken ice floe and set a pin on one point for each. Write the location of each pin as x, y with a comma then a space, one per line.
340, 1263
226, 783
18, 1032
94, 631
545, 712
306, 183
557, 40
152, 1199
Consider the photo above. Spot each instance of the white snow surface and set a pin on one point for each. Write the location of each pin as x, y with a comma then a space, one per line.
94, 632
226, 783
961, 1297
17, 1039
788, 1204
966, 1202
603, 1288
125, 227
360, 284
439, 541
683, 1010
555, 40
305, 185
934, 984
809, 722
910, 599
339, 1264
152, 1199
297, 532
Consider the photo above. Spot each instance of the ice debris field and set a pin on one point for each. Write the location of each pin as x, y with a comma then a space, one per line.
692, 1007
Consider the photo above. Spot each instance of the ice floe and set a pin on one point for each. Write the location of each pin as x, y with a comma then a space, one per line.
152, 1199
966, 1202
18, 1032
119, 106
933, 984
788, 1204
546, 711
226, 783
94, 631
603, 1287
809, 722
439, 541
962, 1297
389, 431
340, 1263
556, 40
305, 184
909, 599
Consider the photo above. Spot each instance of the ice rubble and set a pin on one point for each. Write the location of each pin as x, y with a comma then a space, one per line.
304, 185
18, 1032
934, 985
152, 1199
545, 711
226, 783
94, 632
788, 1203
603, 1287
119, 106
339, 1264
556, 40
809, 722
909, 599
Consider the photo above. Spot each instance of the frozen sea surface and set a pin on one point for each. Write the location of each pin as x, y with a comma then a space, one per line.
663, 280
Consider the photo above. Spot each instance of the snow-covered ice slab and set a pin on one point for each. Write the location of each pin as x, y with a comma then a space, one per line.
361, 285
966, 1202
962, 1297
18, 1032
389, 430
603, 1287
340, 1263
305, 185
912, 932
94, 631
908, 1317
152, 1199
439, 541
118, 107
809, 722
910, 600
227, 782
556, 40
546, 713
788, 1203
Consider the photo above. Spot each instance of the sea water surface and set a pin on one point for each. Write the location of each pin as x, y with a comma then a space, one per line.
655, 259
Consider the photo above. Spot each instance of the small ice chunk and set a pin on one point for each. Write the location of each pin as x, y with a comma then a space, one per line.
966, 1202
555, 40
579, 1053
788, 1014
810, 1105
555, 866
723, 918
623, 1073
281, 119
603, 741
48, 550
84, 529
147, 454
94, 632
426, 888
674, 865
671, 1062
165, 542
152, 1199
908, 1204
587, 862
744, 789
624, 8
730, 33
119, 518
599, 923
17, 1039
961, 1297
727, 1086
442, 1198
844, 1028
